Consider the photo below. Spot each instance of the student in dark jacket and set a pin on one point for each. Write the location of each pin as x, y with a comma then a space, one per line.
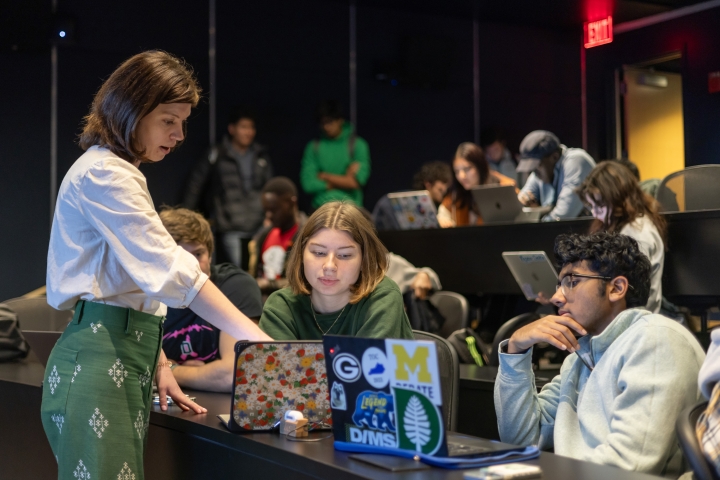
226, 184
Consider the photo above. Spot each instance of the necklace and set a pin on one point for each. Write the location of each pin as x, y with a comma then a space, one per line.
312, 309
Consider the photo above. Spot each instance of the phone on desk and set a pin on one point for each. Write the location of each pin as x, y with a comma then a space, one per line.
515, 471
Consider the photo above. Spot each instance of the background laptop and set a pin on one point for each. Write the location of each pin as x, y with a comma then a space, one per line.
414, 210
497, 203
386, 394
274, 377
533, 272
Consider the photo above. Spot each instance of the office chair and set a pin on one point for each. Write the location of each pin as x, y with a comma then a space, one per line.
449, 376
694, 188
454, 309
685, 429
506, 331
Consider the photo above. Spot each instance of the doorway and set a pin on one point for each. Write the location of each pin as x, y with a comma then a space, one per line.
651, 127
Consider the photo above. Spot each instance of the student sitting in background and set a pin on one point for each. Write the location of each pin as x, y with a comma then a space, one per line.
435, 177
557, 171
499, 158
338, 286
203, 356
643, 365
471, 169
269, 247
615, 199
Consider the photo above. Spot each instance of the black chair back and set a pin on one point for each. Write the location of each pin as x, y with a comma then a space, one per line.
694, 188
506, 331
449, 376
685, 428
454, 309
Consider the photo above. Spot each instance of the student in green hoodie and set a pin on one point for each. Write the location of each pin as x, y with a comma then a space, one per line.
336, 166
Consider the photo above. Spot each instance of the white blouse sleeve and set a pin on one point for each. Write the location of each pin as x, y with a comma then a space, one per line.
114, 199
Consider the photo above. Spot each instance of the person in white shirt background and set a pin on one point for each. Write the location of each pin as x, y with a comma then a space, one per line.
614, 197
112, 260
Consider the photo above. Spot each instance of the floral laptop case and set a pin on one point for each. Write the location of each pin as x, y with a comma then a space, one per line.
274, 377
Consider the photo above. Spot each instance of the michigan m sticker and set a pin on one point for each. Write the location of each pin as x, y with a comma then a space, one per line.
413, 365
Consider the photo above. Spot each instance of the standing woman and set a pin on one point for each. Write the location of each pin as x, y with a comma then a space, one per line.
112, 260
471, 169
614, 197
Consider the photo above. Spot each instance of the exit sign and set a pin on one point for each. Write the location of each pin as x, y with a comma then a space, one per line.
598, 33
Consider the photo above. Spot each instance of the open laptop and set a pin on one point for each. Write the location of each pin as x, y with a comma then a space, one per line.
274, 377
386, 395
414, 210
41, 343
533, 272
499, 204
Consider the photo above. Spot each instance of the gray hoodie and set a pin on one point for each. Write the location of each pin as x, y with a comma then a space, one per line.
623, 412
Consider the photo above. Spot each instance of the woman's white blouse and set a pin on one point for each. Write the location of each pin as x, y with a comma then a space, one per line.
108, 244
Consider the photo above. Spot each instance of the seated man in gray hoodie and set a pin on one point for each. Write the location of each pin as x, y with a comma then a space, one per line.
616, 400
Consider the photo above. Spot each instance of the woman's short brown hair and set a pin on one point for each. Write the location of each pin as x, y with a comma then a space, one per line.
186, 226
344, 217
133, 90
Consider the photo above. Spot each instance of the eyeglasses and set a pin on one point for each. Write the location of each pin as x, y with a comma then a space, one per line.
567, 283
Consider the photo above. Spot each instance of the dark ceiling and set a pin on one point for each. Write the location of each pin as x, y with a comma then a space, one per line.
550, 13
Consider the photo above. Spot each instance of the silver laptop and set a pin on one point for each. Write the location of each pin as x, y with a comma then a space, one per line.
533, 272
498, 203
414, 210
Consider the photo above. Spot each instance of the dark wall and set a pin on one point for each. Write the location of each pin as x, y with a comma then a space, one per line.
280, 58
696, 36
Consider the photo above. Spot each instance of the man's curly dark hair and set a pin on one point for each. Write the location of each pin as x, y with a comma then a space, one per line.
610, 255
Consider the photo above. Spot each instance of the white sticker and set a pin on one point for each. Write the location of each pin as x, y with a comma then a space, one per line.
338, 401
346, 367
375, 367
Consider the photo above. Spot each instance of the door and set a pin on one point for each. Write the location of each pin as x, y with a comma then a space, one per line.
653, 121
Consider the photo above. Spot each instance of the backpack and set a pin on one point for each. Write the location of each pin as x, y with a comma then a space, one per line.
422, 314
12, 343
470, 347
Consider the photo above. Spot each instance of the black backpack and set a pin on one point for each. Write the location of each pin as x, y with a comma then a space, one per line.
470, 347
12, 343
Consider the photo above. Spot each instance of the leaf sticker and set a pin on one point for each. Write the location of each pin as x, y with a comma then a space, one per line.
417, 424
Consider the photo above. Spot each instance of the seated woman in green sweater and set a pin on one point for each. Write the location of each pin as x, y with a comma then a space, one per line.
337, 283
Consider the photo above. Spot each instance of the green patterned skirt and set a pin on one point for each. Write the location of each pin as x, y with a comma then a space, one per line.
97, 392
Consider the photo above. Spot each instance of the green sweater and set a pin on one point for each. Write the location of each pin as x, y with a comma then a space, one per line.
379, 315
332, 155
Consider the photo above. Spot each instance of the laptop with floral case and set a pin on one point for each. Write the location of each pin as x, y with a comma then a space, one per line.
274, 377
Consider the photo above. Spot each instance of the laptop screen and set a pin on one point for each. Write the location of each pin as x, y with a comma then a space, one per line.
386, 393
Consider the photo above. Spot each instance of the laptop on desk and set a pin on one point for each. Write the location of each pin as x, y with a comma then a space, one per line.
414, 210
499, 204
274, 377
385, 395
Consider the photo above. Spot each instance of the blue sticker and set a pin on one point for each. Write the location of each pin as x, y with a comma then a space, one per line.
375, 410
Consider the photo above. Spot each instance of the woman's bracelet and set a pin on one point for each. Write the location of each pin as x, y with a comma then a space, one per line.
168, 364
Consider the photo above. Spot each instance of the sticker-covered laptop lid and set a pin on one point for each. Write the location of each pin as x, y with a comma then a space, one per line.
385, 393
274, 377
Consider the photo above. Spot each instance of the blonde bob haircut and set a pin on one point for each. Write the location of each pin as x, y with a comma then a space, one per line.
344, 217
